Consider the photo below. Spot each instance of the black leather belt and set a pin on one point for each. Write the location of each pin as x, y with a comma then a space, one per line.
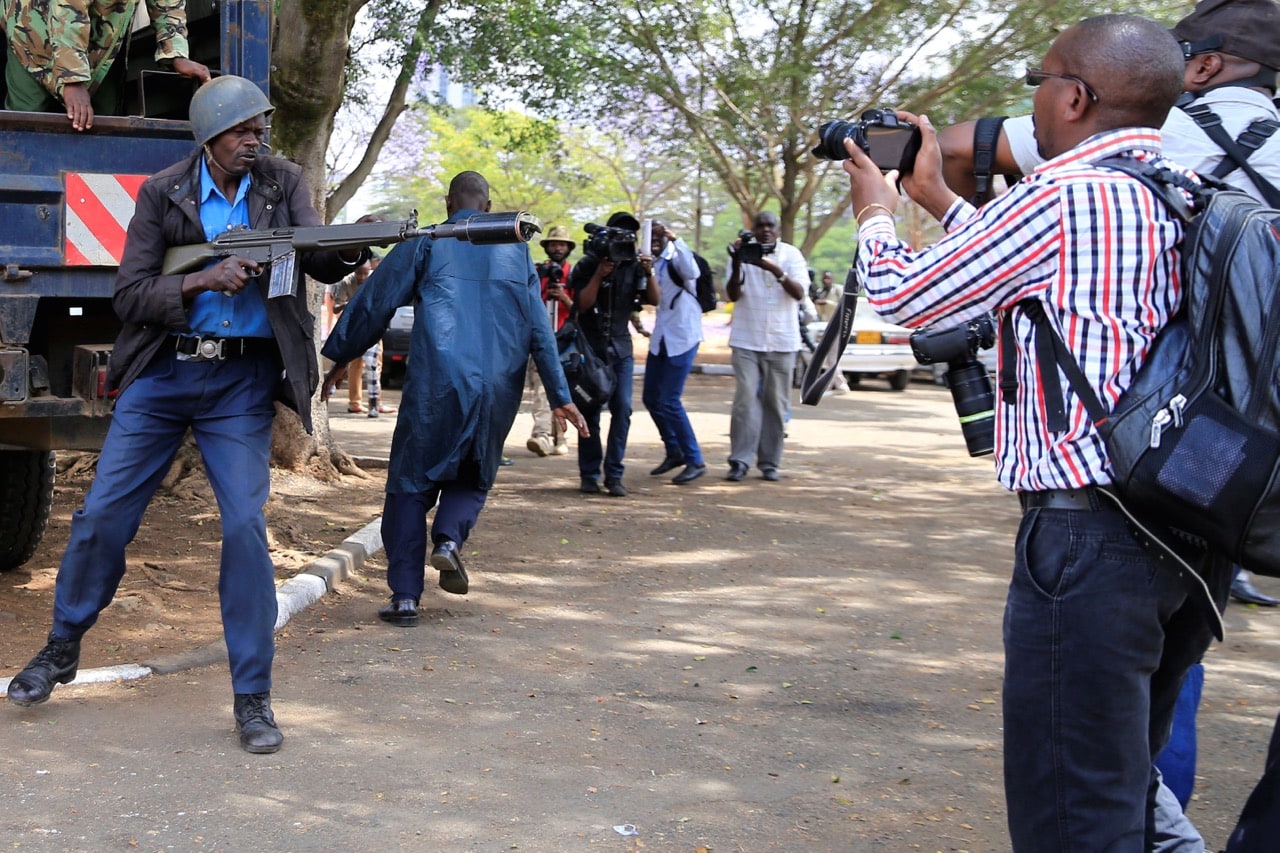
197, 348
1087, 499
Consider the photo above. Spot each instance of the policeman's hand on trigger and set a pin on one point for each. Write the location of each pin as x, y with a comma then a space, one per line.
229, 276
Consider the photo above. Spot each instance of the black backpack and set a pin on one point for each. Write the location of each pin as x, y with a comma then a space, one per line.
706, 292
1194, 443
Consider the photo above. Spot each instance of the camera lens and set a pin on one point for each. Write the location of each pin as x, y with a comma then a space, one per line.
831, 137
975, 404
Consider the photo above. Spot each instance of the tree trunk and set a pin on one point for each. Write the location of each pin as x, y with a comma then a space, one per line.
309, 59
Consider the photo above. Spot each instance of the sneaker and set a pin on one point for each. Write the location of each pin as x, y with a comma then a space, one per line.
615, 489
539, 445
561, 449
589, 487
506, 462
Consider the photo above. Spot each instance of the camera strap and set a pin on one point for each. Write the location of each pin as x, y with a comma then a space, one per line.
986, 135
825, 363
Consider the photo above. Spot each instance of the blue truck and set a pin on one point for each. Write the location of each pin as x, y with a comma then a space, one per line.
66, 198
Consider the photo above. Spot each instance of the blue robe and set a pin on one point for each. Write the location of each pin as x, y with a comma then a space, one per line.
478, 316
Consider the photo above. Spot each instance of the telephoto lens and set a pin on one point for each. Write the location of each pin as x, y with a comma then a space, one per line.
975, 403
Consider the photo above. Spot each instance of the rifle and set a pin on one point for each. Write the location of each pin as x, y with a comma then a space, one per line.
278, 247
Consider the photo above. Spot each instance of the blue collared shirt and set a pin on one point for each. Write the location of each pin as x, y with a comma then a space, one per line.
245, 315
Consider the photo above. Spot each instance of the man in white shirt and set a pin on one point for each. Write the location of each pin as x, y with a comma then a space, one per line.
767, 280
673, 345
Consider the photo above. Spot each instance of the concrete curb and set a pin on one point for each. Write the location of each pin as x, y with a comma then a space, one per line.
292, 597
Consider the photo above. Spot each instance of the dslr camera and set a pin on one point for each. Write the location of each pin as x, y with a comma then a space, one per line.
890, 143
967, 377
751, 250
615, 244
550, 271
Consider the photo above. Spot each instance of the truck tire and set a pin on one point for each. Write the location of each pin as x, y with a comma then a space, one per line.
26, 492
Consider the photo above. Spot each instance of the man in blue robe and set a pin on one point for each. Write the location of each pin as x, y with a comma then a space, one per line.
478, 317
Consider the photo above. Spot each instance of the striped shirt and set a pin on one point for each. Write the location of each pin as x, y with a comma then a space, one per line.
1096, 247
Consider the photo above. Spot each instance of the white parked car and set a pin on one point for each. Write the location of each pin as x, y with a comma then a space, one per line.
876, 348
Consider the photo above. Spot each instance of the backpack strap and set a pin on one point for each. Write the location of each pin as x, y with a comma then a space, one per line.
1051, 352
1239, 149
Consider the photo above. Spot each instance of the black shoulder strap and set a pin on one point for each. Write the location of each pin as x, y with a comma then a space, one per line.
1237, 150
1050, 348
986, 134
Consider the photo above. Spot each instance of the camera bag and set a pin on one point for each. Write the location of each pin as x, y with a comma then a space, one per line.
590, 377
1194, 443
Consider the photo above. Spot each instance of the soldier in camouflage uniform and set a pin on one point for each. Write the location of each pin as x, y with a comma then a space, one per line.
61, 51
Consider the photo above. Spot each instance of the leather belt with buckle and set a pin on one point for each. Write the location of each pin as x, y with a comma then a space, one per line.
1083, 500
198, 348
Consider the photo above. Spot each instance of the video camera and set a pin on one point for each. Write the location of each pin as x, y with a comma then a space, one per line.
751, 250
605, 241
890, 143
966, 376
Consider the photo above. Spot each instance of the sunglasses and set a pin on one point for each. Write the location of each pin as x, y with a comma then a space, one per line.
1036, 76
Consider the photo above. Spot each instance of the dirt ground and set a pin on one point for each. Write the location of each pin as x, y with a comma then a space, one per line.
838, 631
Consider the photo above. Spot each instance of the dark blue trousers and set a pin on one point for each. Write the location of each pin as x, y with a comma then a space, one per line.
664, 378
591, 456
404, 526
1098, 638
228, 407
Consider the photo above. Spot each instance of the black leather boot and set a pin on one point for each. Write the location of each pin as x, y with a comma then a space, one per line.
56, 663
256, 723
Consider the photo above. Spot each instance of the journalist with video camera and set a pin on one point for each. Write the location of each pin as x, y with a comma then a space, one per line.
768, 278
607, 283
1097, 635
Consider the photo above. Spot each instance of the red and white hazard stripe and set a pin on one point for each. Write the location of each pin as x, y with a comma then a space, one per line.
98, 210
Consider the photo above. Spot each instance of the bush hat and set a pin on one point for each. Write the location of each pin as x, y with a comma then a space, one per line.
559, 234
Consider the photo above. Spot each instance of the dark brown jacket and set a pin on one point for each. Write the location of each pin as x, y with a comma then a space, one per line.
151, 304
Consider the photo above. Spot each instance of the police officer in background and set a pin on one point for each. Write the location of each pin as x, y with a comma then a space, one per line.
210, 352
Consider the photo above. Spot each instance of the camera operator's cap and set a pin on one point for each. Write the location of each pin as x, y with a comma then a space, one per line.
1249, 29
622, 219
559, 234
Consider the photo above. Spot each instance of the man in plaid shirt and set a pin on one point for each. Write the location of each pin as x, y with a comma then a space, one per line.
1097, 636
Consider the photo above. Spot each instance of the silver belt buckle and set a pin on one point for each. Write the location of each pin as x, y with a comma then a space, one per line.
207, 349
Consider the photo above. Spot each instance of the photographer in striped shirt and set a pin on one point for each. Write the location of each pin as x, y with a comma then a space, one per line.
1097, 636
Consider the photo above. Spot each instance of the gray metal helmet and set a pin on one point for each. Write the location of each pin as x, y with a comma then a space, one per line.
224, 102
